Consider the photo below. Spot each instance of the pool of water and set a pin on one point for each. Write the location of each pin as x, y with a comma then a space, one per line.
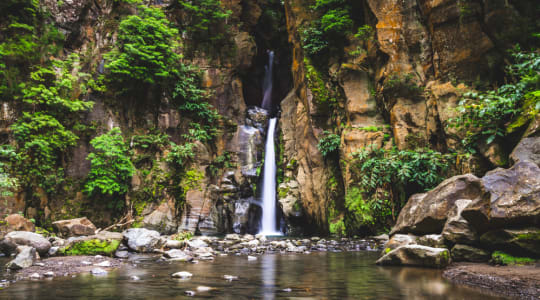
350, 275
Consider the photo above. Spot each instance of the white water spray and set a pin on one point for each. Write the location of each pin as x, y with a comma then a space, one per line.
267, 83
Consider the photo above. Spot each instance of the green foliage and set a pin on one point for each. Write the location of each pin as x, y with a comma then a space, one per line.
152, 142
336, 22
501, 258
220, 163
337, 228
145, 52
183, 236
484, 116
402, 85
322, 96
111, 168
205, 21
180, 154
386, 178
329, 143
191, 180
365, 32
7, 182
314, 41
91, 247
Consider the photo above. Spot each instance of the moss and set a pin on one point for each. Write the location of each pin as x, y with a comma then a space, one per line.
528, 236
92, 247
370, 128
501, 258
387, 250
282, 192
445, 256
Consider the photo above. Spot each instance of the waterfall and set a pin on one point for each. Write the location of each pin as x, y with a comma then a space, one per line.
267, 83
269, 184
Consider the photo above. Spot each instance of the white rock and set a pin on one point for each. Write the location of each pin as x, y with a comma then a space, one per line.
48, 274
189, 293
183, 275
202, 288
35, 276
98, 271
230, 277
135, 277
251, 257
105, 264
84, 262
196, 243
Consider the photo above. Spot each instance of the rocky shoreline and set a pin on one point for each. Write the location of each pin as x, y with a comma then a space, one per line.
522, 282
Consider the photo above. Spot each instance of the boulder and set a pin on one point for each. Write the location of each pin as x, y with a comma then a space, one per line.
141, 239
196, 243
427, 213
177, 255
457, 230
519, 242
398, 240
75, 227
528, 149
462, 252
514, 199
24, 238
431, 240
16, 222
416, 255
24, 259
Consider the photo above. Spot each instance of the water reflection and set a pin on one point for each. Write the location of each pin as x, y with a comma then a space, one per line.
314, 276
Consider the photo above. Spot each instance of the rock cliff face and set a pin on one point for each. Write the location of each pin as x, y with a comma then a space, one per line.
402, 89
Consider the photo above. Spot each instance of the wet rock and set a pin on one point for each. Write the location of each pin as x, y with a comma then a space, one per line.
232, 237
230, 277
53, 251
189, 293
251, 258
35, 276
74, 227
383, 238
182, 274
202, 288
468, 253
141, 239
16, 222
416, 255
520, 242
104, 264
24, 238
427, 213
48, 274
135, 278
257, 117
24, 259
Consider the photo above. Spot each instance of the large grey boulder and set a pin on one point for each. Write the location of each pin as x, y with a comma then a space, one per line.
24, 238
24, 259
528, 149
431, 240
462, 252
141, 239
416, 255
457, 230
427, 213
75, 227
514, 198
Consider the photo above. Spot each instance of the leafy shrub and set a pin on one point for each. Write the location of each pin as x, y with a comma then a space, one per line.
492, 114
180, 154
329, 143
7, 182
336, 22
206, 21
314, 41
385, 178
145, 53
111, 169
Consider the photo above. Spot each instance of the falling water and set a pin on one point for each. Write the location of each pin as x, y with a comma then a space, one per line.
269, 184
267, 83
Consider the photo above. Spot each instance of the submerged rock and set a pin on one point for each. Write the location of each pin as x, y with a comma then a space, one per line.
182, 274
416, 255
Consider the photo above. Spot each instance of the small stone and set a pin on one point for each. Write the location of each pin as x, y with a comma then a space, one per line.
48, 274
204, 288
135, 278
53, 251
84, 262
98, 256
183, 275
189, 293
39, 264
315, 238
121, 254
35, 276
98, 272
251, 258
104, 264
287, 290
230, 277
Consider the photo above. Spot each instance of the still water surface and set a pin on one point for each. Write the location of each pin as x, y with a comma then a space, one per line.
350, 275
